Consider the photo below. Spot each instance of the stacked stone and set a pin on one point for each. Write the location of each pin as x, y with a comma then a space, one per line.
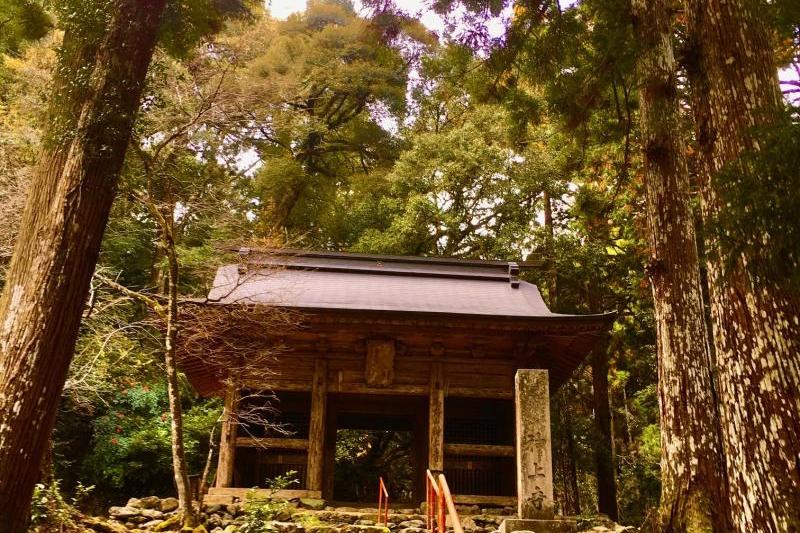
152, 513
314, 516
144, 513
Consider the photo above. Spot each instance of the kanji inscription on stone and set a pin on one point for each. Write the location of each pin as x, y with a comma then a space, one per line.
534, 455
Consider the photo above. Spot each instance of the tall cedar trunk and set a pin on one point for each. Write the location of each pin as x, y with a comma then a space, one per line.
179, 468
59, 239
603, 447
693, 482
756, 321
552, 273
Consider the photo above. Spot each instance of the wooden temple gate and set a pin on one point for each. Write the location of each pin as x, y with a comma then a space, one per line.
432, 346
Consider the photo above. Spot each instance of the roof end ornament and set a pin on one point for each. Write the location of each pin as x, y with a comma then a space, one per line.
513, 274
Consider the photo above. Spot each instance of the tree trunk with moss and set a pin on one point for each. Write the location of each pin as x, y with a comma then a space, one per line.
169, 313
755, 317
179, 467
693, 485
96, 95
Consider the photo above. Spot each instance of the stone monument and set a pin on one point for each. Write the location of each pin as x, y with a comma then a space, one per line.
534, 457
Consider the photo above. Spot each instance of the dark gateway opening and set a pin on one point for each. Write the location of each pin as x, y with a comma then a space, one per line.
378, 436
364, 455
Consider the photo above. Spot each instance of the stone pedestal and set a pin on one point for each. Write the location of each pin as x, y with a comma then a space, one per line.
534, 455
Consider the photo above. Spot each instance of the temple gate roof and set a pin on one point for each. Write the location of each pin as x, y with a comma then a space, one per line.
359, 282
457, 311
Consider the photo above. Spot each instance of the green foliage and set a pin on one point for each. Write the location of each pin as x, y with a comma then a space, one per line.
651, 444
131, 441
50, 511
24, 84
48, 507
454, 185
187, 22
260, 511
21, 21
283, 481
759, 199
316, 86
639, 476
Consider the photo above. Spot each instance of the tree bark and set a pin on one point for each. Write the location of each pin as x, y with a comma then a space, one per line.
603, 448
169, 314
552, 272
59, 240
205, 478
756, 320
179, 468
693, 484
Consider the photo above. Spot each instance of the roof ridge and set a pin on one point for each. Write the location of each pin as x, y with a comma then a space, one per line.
248, 252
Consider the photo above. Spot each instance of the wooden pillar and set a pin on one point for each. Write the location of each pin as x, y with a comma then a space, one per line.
436, 419
329, 455
227, 440
316, 430
419, 448
534, 454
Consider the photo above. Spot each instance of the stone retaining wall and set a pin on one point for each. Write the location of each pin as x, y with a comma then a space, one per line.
314, 516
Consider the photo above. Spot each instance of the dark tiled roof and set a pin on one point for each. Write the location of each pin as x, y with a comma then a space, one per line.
317, 280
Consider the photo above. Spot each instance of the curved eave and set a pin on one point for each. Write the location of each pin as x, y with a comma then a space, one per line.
520, 321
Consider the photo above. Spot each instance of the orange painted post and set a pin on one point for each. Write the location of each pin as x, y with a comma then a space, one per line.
451, 505
442, 512
429, 508
383, 500
432, 501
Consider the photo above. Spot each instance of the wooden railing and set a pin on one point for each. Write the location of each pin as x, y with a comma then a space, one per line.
440, 504
383, 503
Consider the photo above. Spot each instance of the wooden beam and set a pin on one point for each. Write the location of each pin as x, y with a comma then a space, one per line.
316, 429
478, 392
483, 450
279, 385
227, 440
396, 389
262, 442
362, 388
436, 419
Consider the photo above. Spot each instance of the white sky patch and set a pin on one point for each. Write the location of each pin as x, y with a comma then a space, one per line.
179, 212
280, 9
790, 83
248, 163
